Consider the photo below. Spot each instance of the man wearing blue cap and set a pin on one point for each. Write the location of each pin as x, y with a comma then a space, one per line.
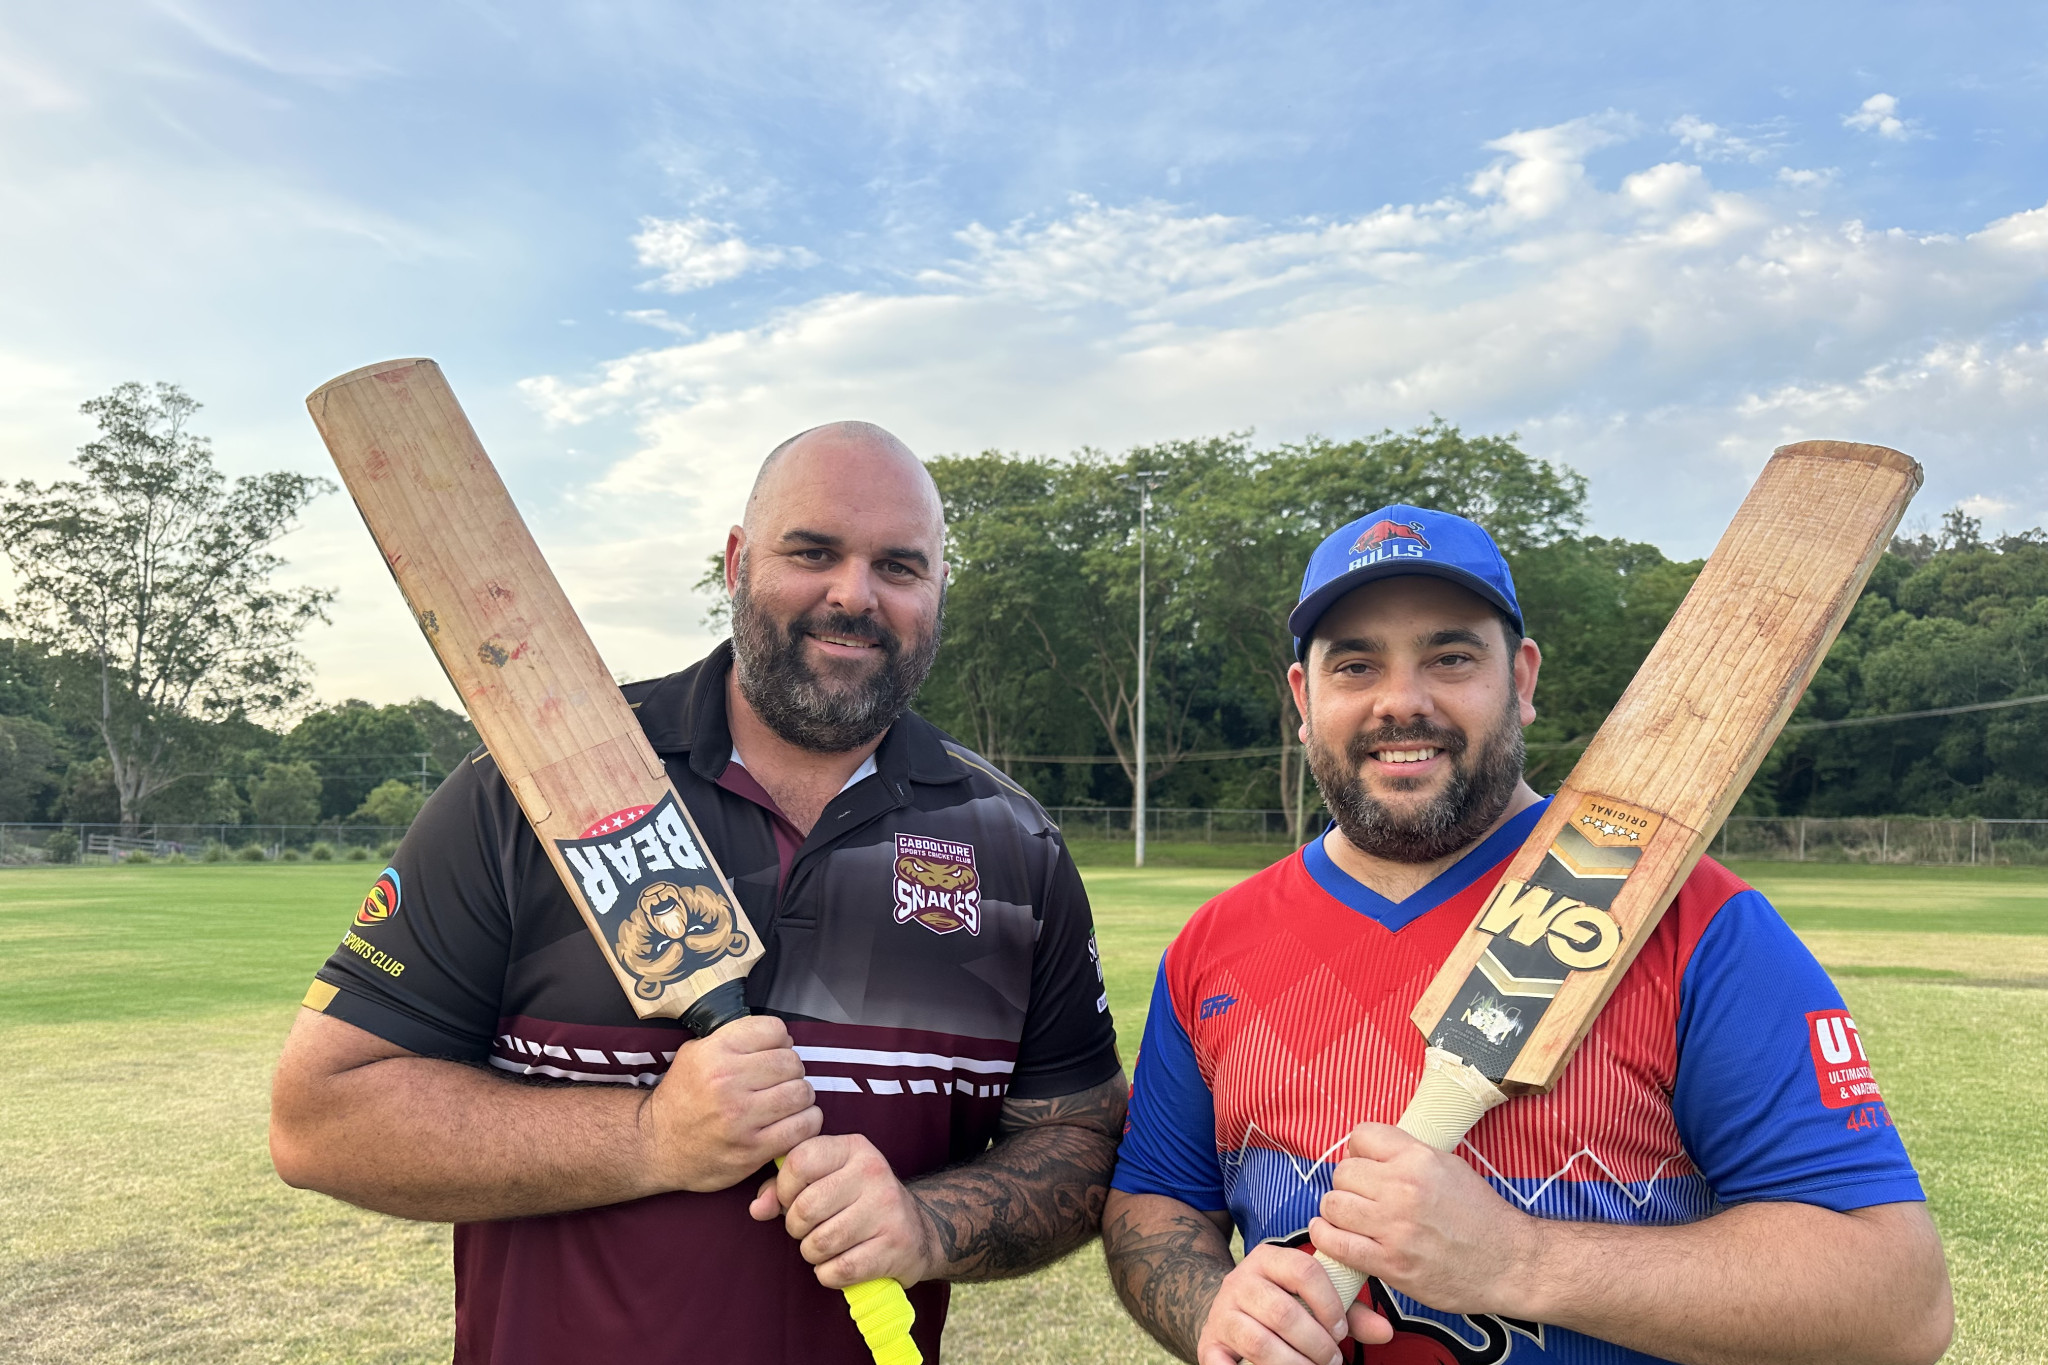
1698, 1186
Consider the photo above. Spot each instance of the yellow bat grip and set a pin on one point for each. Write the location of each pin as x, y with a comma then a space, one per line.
1451, 1098
883, 1313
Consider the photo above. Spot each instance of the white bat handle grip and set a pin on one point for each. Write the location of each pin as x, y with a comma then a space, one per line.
1451, 1098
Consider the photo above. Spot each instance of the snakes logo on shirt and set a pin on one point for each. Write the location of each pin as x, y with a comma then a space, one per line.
936, 884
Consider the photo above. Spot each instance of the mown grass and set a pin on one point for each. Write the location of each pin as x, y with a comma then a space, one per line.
143, 1007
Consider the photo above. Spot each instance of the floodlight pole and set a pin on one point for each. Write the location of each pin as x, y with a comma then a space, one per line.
1144, 480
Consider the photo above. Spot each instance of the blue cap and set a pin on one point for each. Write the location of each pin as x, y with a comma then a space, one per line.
1400, 540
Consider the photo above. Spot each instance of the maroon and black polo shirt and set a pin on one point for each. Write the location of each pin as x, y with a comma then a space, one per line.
915, 1014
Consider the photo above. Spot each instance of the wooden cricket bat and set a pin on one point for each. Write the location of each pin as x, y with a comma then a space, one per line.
652, 895
1511, 1003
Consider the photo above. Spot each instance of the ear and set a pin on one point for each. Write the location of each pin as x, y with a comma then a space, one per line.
735, 546
1297, 683
1528, 662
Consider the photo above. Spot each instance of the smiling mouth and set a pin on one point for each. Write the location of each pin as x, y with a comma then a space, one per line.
844, 641
1405, 755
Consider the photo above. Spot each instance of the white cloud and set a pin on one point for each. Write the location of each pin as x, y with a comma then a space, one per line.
1818, 178
696, 253
1880, 114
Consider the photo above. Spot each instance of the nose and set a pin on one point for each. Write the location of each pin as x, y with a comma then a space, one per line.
850, 587
1401, 698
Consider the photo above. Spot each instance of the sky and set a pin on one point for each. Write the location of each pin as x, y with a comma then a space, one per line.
648, 241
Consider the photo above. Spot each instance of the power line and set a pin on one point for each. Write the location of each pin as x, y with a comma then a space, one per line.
1273, 750
1918, 715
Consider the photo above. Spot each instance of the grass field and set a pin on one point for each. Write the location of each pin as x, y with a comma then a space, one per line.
143, 1008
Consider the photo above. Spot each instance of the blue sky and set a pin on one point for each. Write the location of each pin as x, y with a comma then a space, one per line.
648, 241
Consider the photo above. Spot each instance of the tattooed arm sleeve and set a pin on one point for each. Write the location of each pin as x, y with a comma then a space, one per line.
1166, 1261
1035, 1195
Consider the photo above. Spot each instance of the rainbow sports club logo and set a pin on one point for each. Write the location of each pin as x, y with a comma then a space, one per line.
382, 902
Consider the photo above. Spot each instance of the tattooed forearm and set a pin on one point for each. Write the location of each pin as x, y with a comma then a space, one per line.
1034, 1196
1167, 1262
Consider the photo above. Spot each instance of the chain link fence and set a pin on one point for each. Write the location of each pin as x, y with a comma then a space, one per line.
1900, 839
1182, 824
102, 845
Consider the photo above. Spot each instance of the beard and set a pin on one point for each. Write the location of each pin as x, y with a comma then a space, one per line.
853, 702
1479, 789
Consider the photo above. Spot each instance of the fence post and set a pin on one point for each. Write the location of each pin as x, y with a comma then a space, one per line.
1802, 841
1884, 846
1973, 843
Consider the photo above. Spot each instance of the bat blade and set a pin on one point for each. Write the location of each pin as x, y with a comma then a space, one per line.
565, 740
1620, 837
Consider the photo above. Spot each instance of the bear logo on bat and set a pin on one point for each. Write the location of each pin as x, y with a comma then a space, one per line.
673, 931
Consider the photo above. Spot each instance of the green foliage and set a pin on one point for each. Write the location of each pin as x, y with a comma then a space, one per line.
88, 796
216, 852
1946, 621
286, 794
387, 850
154, 574
393, 804
321, 852
177, 860
61, 847
139, 856
290, 855
31, 767
358, 854
252, 853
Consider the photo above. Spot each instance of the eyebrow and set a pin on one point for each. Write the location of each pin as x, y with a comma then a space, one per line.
909, 554
1372, 644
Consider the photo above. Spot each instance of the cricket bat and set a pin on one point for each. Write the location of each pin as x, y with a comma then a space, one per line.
648, 888
1511, 1003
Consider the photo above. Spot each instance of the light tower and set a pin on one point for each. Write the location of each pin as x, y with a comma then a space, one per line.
1144, 481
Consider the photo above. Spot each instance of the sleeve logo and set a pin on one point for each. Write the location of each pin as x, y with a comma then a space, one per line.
936, 884
1839, 1065
382, 902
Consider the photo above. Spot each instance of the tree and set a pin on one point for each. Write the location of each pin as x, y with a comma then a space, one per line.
393, 804
355, 746
286, 794
155, 573
31, 767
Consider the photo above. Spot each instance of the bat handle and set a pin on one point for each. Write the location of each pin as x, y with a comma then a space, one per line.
1452, 1097
883, 1313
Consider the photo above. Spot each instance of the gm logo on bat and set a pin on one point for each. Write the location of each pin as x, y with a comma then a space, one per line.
1580, 936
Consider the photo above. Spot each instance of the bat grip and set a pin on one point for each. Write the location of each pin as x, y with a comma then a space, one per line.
1452, 1097
883, 1313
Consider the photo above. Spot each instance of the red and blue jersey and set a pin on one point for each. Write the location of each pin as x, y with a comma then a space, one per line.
1723, 1070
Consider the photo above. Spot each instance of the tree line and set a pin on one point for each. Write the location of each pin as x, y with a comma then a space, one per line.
1040, 656
150, 668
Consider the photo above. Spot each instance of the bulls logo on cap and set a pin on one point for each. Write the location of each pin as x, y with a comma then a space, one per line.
1386, 529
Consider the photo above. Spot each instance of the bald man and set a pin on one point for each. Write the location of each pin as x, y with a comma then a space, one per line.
931, 1045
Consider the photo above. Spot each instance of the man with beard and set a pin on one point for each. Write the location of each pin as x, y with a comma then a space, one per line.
931, 1045
1699, 1186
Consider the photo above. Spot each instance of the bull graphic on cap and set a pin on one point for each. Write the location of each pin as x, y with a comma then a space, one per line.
1386, 529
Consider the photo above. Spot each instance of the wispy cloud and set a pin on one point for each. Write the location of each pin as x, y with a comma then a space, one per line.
697, 253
